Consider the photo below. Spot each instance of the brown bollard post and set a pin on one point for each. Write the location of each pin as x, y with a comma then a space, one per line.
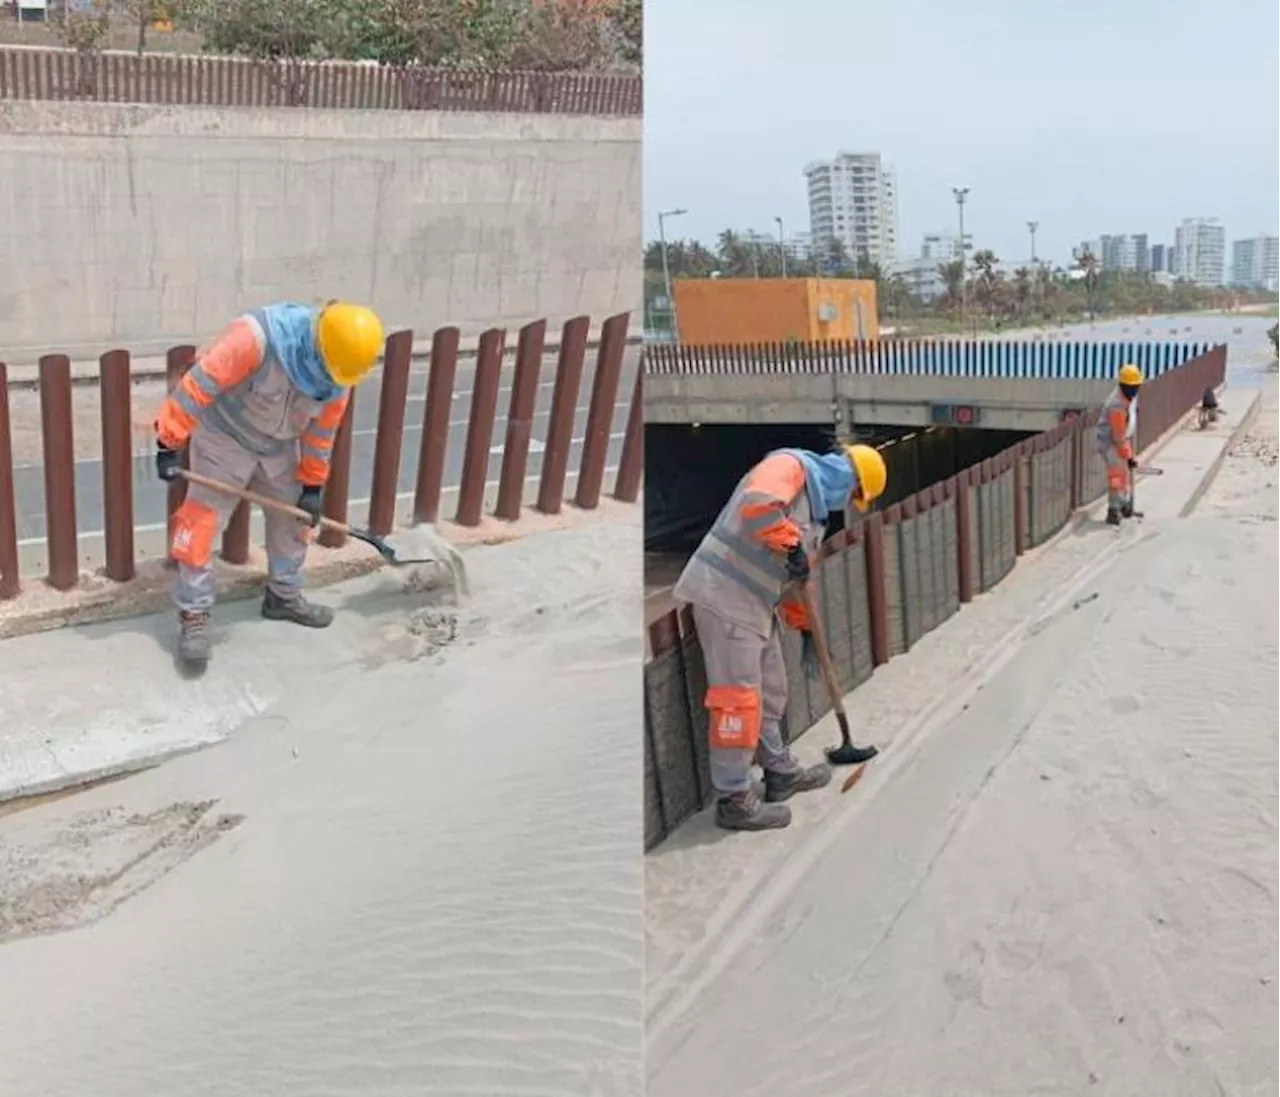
337, 491
964, 542
877, 606
434, 444
386, 452
626, 485
524, 393
484, 406
59, 471
177, 361
116, 401
564, 405
604, 397
10, 581
1023, 456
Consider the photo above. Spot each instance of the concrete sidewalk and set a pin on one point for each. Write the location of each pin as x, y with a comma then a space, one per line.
701, 881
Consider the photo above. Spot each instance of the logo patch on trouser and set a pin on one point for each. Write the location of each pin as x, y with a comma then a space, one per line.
195, 527
735, 717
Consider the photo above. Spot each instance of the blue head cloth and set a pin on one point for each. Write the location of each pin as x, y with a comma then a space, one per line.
291, 335
829, 481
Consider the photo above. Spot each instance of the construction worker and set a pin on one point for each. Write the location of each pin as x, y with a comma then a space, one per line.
259, 409
1116, 442
1209, 409
737, 581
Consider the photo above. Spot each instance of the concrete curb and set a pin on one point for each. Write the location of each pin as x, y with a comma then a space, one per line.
1211, 474
119, 601
151, 590
27, 377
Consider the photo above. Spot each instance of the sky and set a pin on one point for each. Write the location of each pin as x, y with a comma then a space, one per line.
1088, 116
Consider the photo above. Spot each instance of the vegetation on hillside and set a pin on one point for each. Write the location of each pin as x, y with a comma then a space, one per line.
995, 299
539, 35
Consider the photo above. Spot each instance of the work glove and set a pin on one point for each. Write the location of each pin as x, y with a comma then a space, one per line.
168, 462
809, 655
311, 499
798, 563
1133, 462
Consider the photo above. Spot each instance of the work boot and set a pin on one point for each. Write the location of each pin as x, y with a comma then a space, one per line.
783, 786
1113, 516
746, 811
193, 638
1127, 511
297, 609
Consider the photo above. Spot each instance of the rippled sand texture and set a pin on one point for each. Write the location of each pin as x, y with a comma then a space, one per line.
1070, 889
435, 887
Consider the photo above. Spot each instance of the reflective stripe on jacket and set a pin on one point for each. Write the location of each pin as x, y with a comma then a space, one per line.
739, 570
1113, 426
239, 387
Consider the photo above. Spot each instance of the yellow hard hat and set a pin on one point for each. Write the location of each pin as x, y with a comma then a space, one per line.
1129, 375
350, 340
868, 466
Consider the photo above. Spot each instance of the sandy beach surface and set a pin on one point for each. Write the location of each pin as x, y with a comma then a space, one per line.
415, 871
1068, 888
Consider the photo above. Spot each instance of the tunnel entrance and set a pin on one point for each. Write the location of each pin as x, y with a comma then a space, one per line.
690, 471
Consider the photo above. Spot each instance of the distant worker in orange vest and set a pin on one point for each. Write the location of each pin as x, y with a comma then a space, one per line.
1116, 442
764, 540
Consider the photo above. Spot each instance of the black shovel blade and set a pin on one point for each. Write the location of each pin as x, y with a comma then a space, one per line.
386, 551
371, 538
846, 754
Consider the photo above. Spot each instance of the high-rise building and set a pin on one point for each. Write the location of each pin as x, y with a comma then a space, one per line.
853, 198
1161, 259
1118, 252
1243, 262
1200, 245
923, 273
1255, 263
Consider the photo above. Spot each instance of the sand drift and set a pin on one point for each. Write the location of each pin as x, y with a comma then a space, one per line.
415, 870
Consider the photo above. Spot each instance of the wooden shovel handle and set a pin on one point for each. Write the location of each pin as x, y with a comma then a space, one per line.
261, 500
824, 655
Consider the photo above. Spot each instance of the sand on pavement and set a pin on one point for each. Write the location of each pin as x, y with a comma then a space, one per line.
418, 874
1069, 889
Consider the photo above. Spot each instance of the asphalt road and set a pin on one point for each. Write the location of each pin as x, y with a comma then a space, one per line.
149, 493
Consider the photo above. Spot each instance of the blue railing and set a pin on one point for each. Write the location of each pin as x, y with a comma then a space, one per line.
1040, 360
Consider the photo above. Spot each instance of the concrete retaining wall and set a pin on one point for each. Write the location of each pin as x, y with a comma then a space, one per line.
153, 225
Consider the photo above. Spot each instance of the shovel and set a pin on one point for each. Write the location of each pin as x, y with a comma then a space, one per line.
441, 551
846, 754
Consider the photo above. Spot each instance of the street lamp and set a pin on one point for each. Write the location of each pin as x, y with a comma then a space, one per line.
1031, 228
782, 247
666, 268
961, 194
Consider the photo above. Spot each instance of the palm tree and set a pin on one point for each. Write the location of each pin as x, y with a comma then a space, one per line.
952, 277
1022, 291
897, 296
1087, 262
734, 255
986, 284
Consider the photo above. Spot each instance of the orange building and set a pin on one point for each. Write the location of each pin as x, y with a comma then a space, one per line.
774, 310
